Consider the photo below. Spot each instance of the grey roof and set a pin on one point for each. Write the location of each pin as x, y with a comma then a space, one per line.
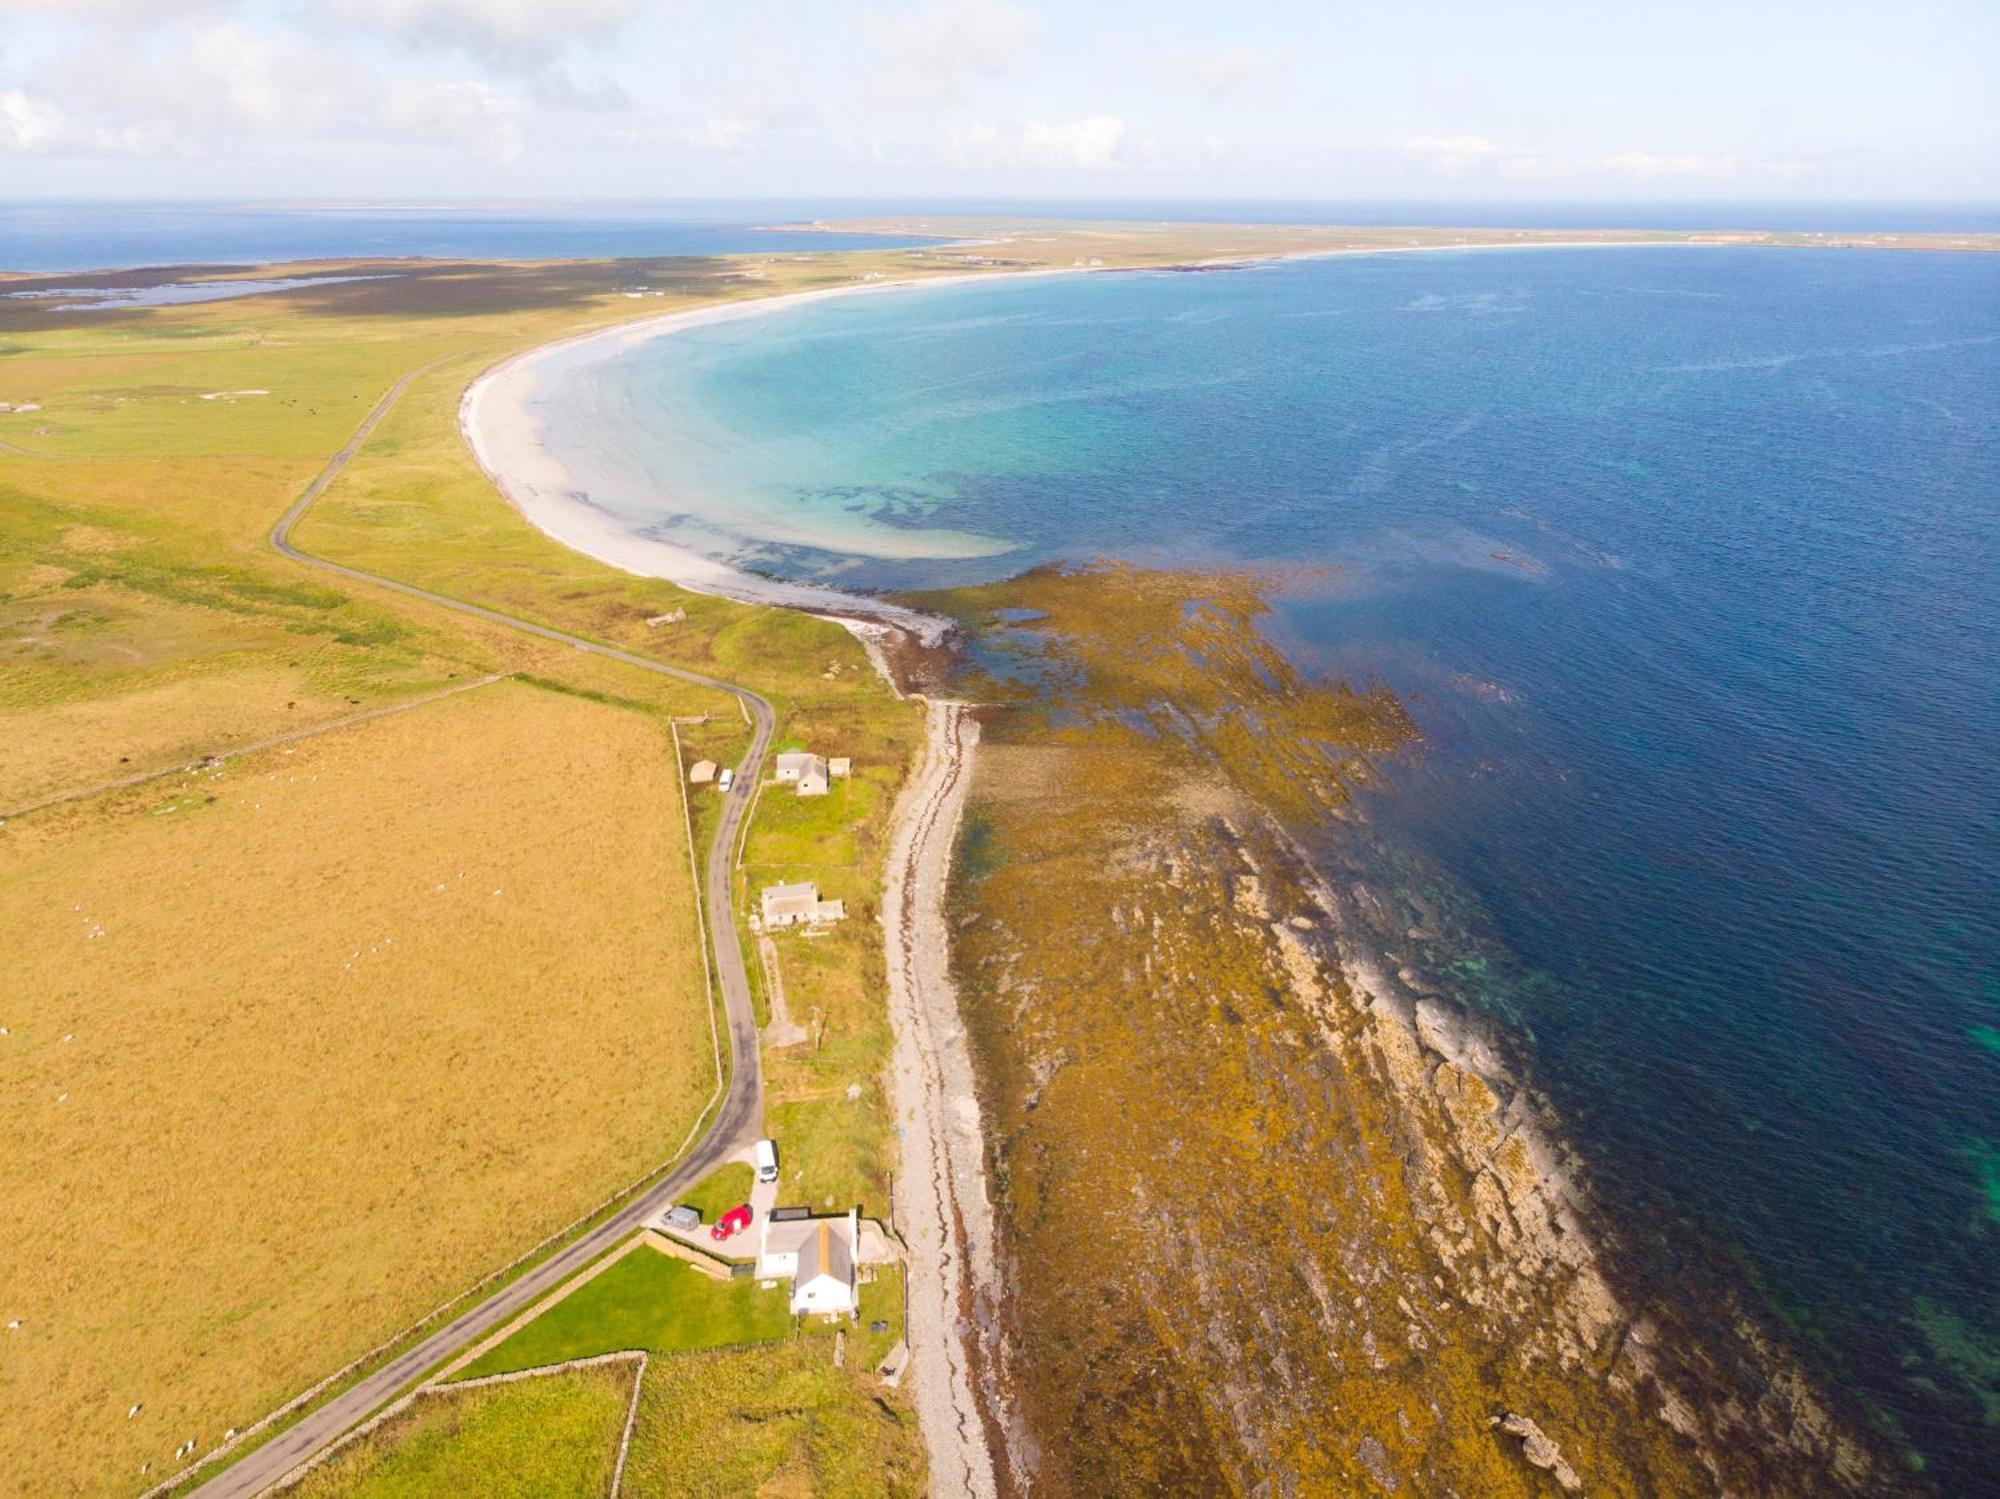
827, 1252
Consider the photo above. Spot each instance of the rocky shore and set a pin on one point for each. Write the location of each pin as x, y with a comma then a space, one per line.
1276, 1213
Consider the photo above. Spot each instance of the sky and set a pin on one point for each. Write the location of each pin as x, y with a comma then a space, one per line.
1542, 101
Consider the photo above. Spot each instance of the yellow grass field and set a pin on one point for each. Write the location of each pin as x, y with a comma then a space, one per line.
300, 1045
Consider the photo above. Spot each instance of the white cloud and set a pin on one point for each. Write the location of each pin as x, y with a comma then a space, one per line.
1087, 143
927, 58
31, 126
722, 133
493, 26
218, 88
1477, 156
1455, 155
464, 114
143, 10
227, 78
1641, 166
28, 125
1235, 71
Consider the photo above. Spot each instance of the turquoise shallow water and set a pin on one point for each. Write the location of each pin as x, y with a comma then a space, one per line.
1688, 564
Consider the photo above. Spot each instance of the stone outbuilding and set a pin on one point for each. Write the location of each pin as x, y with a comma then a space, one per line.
701, 773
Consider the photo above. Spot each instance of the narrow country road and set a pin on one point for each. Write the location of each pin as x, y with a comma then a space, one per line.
736, 1124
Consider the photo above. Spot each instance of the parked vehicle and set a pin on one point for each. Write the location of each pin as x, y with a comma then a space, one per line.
765, 1153
725, 778
731, 1223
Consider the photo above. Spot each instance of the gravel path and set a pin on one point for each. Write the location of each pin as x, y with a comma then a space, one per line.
943, 1209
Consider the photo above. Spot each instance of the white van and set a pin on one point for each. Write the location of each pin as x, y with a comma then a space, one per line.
765, 1153
727, 776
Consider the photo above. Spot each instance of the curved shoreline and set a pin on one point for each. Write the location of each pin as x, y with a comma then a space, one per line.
958, 1387
506, 438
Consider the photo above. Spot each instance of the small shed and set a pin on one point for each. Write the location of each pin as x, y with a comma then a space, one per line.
838, 766
702, 773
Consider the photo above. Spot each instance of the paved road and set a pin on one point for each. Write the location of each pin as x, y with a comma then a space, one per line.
739, 1121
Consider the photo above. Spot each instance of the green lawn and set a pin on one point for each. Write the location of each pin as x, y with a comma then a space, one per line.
881, 1301
526, 1440
647, 1300
803, 836
720, 1191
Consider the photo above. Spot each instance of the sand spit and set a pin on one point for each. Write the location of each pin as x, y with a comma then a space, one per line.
942, 1208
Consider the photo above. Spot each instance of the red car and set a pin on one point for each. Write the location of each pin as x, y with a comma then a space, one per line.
731, 1223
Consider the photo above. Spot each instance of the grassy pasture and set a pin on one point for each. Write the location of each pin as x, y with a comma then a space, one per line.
300, 1045
777, 1420
554, 1437
646, 1300
267, 1161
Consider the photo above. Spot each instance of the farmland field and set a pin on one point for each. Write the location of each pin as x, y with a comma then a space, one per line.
300, 1045
308, 1095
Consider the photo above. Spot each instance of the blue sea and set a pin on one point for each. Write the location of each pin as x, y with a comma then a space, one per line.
1687, 563
93, 236
82, 235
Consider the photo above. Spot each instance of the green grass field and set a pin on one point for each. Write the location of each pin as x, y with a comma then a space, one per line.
649, 1301
546, 1438
775, 1420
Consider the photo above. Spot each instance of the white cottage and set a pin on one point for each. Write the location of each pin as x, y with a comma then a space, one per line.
805, 771
797, 905
818, 1256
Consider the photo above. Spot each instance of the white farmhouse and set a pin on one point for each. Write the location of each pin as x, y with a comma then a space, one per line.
805, 771
798, 905
817, 1255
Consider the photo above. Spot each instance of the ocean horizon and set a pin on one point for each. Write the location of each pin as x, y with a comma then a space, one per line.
57, 235
1683, 561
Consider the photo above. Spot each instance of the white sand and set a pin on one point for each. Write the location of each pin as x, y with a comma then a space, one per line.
507, 439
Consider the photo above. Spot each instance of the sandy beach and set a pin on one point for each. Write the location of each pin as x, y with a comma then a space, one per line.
500, 424
498, 418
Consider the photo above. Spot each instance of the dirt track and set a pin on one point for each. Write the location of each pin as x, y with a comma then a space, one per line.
943, 1209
